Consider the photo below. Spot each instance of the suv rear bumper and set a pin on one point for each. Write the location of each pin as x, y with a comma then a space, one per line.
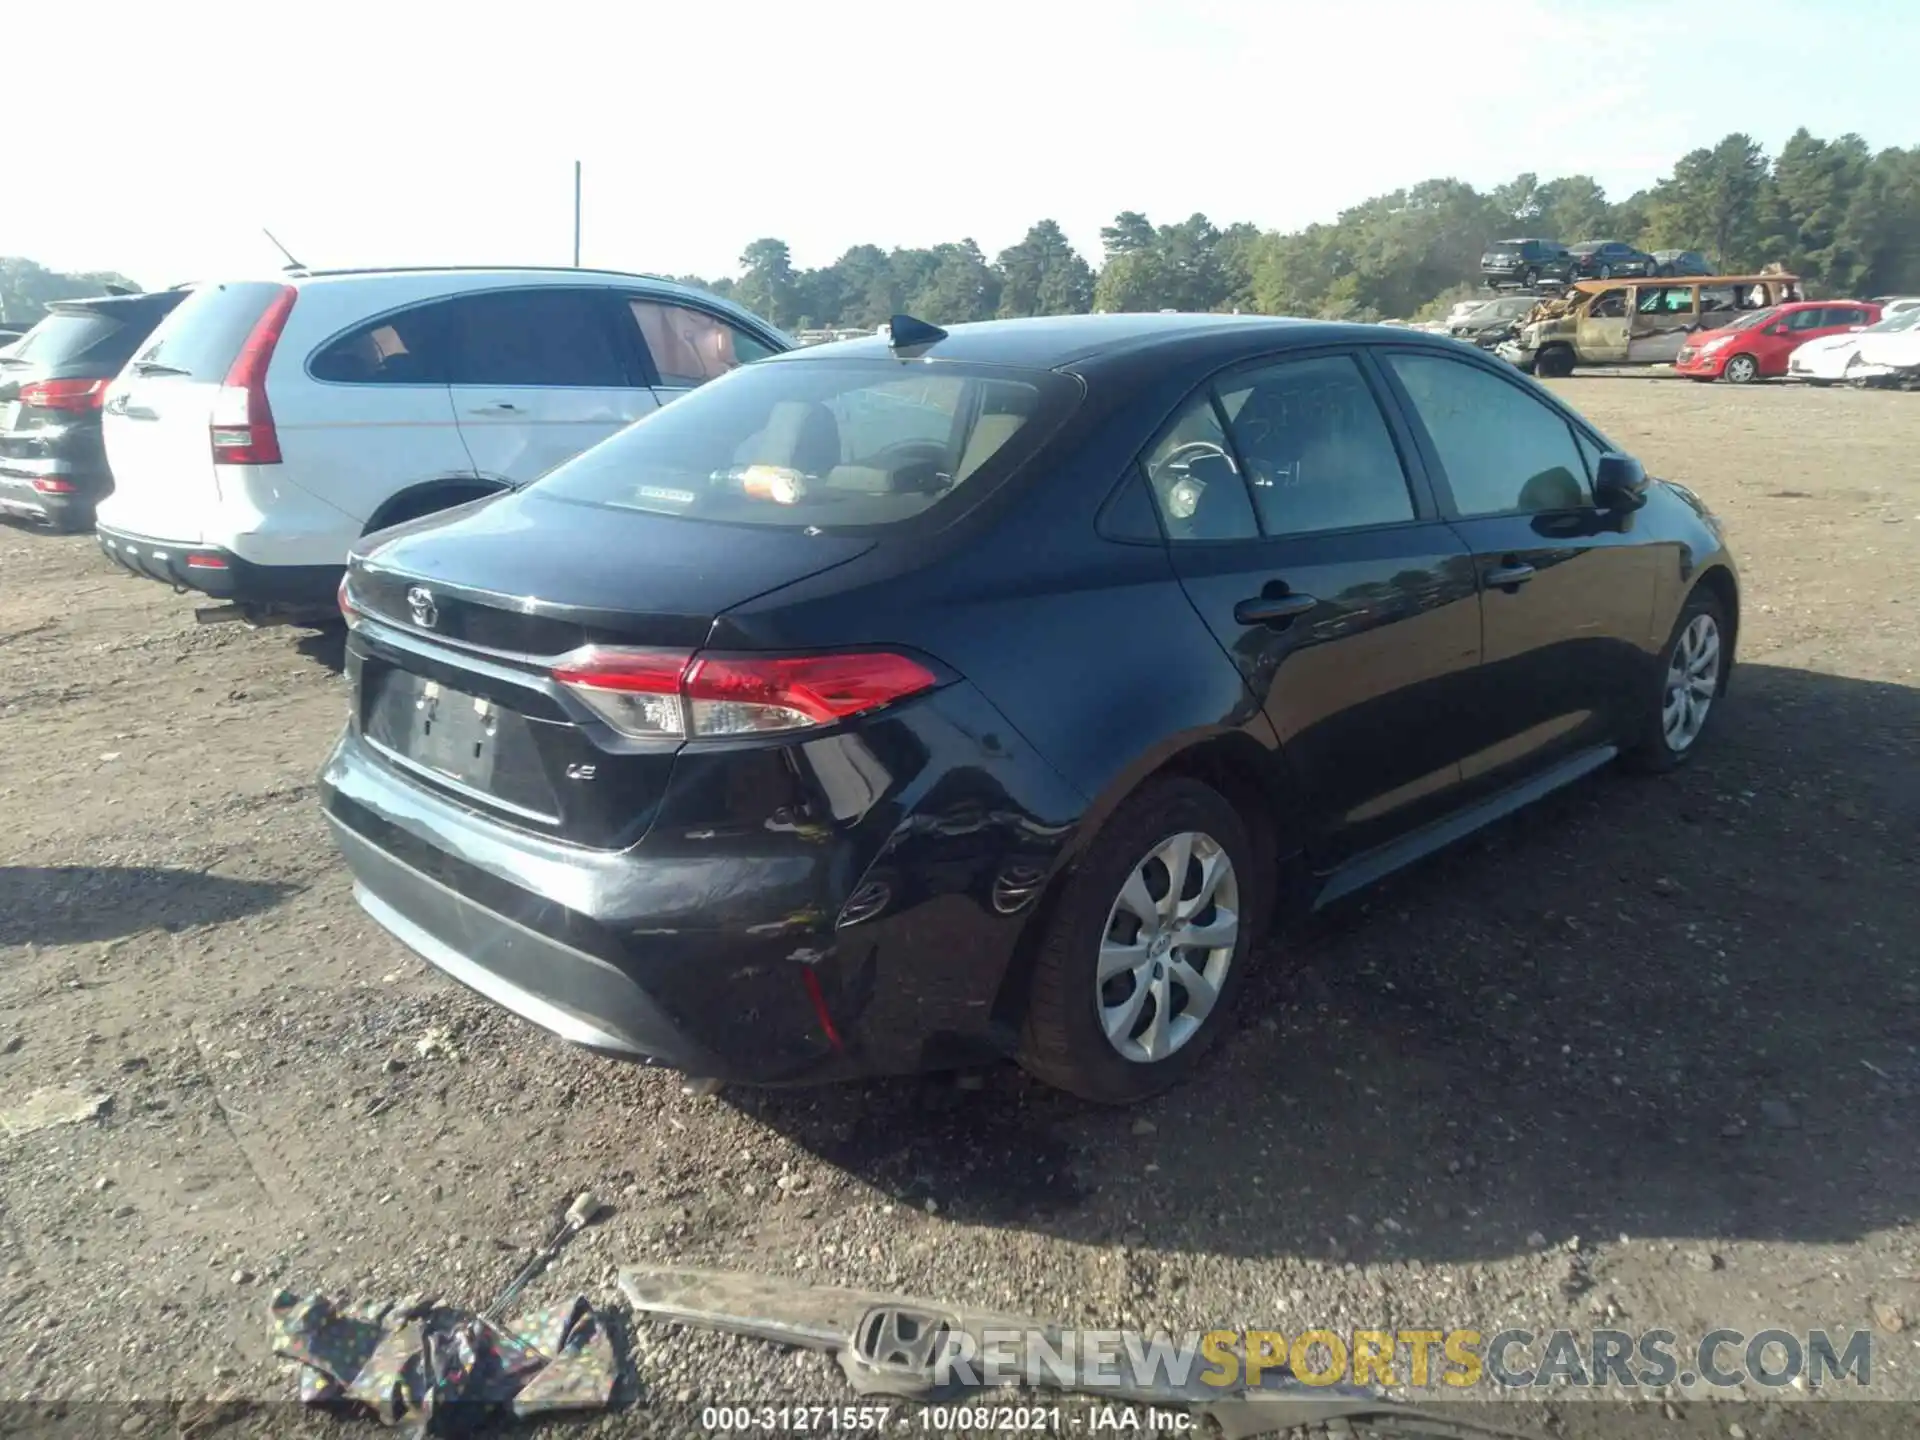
24, 491
220, 573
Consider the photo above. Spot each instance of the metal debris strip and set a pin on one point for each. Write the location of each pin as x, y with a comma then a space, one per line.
441, 1368
885, 1344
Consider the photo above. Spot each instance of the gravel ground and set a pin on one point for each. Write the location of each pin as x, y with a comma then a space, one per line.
1646, 1056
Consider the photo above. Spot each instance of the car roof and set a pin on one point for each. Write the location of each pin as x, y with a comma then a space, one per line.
1052, 342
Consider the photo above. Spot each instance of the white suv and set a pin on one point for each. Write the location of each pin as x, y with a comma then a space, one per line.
267, 425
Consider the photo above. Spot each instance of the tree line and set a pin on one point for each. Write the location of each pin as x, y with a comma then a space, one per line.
1845, 218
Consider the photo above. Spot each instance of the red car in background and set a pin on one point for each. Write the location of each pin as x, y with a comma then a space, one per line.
1759, 342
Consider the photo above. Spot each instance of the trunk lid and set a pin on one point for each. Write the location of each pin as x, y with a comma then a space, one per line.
454, 685
158, 414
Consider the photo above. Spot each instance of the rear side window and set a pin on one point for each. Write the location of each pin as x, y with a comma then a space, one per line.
400, 349
1317, 450
201, 339
556, 337
1503, 451
690, 347
834, 445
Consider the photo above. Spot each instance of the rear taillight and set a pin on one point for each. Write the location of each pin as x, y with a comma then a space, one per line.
65, 394
670, 695
242, 428
48, 485
348, 612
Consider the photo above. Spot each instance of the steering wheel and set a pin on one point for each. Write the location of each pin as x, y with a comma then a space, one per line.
916, 466
1182, 456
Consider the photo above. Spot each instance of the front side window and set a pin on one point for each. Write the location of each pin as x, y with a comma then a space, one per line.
835, 445
1317, 450
690, 347
393, 350
1609, 305
1195, 482
1812, 319
1503, 450
556, 337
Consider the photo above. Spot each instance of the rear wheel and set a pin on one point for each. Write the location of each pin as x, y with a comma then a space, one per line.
1146, 949
1606, 272
1531, 278
1693, 671
1741, 370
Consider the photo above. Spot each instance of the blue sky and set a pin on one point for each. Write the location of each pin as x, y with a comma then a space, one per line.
403, 134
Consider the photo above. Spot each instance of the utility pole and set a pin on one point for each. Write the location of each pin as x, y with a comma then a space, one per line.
576, 214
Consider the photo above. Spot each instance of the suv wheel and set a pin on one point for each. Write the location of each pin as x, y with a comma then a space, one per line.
1693, 674
1531, 278
1606, 272
1146, 948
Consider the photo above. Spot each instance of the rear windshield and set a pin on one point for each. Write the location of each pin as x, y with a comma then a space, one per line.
68, 337
201, 338
824, 444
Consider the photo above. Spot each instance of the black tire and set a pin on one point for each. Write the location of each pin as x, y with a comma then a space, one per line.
1740, 370
1063, 1042
1553, 363
1649, 750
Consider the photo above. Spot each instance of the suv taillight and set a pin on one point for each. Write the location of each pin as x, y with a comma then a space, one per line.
671, 695
242, 427
65, 394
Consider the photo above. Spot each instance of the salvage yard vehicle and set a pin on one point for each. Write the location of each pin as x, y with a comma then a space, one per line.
270, 424
1758, 344
53, 467
1681, 262
1884, 353
1638, 323
1494, 322
1525, 263
1609, 259
773, 741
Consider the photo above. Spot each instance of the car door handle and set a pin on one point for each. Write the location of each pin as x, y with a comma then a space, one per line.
1508, 576
499, 407
1273, 609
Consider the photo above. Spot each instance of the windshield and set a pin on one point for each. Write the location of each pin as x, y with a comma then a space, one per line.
201, 338
823, 444
67, 336
1758, 317
1904, 320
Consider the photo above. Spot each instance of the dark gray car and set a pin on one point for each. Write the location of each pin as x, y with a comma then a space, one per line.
53, 467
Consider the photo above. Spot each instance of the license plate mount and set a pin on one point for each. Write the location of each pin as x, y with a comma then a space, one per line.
448, 732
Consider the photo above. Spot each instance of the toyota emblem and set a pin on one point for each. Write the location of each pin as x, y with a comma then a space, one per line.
426, 614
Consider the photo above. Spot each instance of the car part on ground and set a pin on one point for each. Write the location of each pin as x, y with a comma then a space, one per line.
441, 1368
711, 748
53, 465
269, 424
919, 1350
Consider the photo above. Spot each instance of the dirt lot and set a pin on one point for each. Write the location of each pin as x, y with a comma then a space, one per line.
1649, 1055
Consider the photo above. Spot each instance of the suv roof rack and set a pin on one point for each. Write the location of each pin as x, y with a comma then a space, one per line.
314, 273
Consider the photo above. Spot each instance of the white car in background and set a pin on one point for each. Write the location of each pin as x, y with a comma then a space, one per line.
267, 425
1881, 351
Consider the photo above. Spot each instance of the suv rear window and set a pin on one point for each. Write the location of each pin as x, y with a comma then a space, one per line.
68, 337
834, 445
202, 337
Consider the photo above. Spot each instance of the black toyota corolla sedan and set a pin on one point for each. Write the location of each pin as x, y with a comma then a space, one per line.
892, 704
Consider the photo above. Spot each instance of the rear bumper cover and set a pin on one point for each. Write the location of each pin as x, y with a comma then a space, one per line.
722, 945
220, 573
19, 495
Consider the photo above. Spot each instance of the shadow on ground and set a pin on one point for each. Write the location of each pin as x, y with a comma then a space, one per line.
326, 647
1685, 1006
77, 904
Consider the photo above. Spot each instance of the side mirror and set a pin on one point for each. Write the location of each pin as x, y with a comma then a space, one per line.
1619, 482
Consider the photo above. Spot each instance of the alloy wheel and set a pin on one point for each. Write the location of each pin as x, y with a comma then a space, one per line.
1693, 679
1741, 369
1168, 944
